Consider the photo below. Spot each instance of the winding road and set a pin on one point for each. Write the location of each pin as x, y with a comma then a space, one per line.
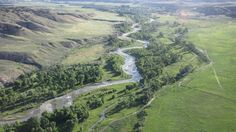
66, 100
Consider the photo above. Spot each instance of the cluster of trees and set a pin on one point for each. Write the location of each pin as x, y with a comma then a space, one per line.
130, 87
126, 102
140, 123
156, 56
132, 99
148, 31
201, 55
184, 71
142, 35
95, 102
129, 99
44, 84
190, 47
114, 43
180, 39
114, 63
152, 60
59, 77
136, 14
62, 120
181, 30
123, 27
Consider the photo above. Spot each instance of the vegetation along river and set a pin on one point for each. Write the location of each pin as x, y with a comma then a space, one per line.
66, 100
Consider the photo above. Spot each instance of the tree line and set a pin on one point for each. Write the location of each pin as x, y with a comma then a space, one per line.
114, 64
113, 43
152, 60
123, 27
42, 85
62, 120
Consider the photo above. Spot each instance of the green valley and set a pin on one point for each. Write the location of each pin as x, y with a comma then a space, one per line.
118, 66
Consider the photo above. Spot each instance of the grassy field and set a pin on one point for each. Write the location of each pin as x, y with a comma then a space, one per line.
84, 55
83, 29
205, 101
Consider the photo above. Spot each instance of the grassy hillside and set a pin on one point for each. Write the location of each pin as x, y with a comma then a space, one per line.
85, 55
49, 34
205, 100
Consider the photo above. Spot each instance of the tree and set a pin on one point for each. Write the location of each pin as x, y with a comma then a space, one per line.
141, 115
32, 124
95, 102
69, 125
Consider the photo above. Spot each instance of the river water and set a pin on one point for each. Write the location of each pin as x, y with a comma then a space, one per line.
66, 100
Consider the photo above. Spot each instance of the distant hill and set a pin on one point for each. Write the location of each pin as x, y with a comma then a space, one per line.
113, 1
5, 2
118, 1
211, 0
187, 1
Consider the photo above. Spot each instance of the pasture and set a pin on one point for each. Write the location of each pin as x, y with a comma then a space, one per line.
205, 100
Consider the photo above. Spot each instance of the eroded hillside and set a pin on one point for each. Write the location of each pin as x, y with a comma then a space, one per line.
34, 37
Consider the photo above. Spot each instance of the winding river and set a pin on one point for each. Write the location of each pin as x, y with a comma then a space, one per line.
66, 100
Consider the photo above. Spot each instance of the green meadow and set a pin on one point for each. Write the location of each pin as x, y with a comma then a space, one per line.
205, 100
